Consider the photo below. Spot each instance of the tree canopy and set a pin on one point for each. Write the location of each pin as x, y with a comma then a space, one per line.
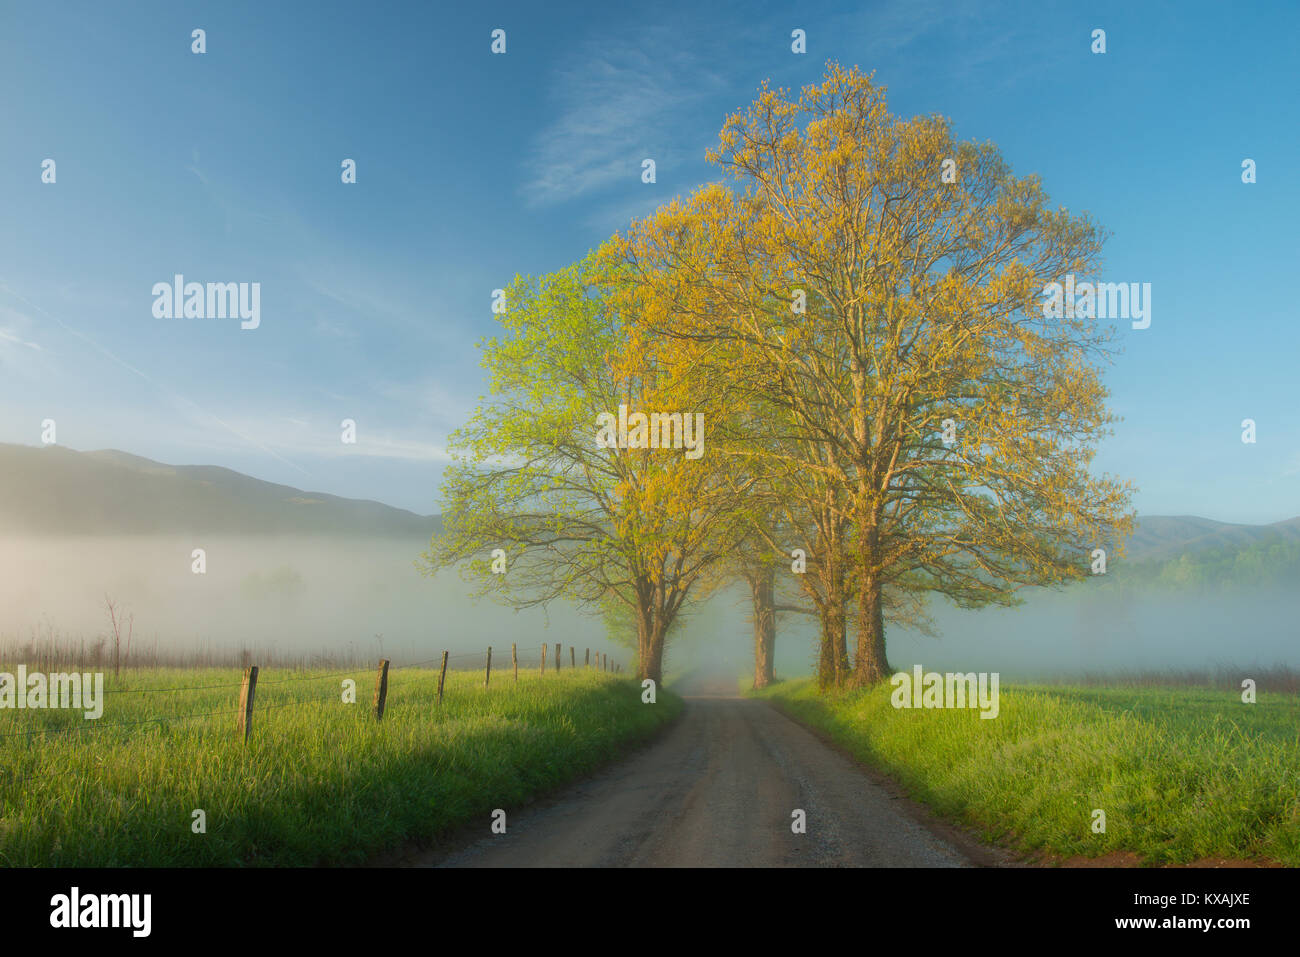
856, 312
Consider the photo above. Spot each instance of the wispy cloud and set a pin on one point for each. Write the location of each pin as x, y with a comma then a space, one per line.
194, 168
429, 400
309, 439
21, 356
619, 104
13, 326
192, 408
386, 447
8, 336
355, 304
979, 37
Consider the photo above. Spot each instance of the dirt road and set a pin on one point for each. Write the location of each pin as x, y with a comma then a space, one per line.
718, 789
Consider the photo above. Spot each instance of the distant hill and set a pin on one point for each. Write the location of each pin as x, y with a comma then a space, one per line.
1160, 538
53, 490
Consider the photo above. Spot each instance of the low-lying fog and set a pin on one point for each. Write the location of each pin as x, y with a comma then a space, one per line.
1081, 631
303, 596
293, 595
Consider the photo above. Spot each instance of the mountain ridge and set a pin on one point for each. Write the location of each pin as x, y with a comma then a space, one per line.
1163, 537
55, 490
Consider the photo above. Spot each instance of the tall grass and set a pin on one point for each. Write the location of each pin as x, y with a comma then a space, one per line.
47, 649
320, 781
1181, 773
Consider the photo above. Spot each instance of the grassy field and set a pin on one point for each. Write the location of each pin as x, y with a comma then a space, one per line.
1182, 773
320, 782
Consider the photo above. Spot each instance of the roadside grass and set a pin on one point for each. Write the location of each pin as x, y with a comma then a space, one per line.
1182, 773
319, 783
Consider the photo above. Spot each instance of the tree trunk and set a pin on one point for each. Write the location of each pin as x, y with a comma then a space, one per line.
650, 631
833, 660
833, 669
871, 665
826, 650
763, 585
843, 672
650, 658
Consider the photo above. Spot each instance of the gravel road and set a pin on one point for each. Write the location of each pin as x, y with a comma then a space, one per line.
717, 789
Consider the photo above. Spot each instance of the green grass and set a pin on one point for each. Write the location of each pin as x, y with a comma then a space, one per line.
1182, 773
320, 782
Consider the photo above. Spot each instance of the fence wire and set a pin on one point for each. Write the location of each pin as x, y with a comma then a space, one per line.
503, 663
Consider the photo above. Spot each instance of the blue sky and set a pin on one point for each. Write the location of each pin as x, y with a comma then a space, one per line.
473, 167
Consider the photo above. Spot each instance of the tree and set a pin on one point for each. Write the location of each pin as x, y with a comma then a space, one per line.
535, 476
875, 288
116, 622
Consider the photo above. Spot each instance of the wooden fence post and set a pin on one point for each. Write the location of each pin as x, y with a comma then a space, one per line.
557, 657
572, 657
381, 689
488, 673
586, 661
442, 676
244, 721
543, 658
605, 662
514, 659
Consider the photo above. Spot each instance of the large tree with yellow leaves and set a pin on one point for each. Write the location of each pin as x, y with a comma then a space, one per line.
575, 465
871, 287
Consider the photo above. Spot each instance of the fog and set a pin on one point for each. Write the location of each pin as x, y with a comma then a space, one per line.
1098, 631
300, 596
1055, 634
292, 595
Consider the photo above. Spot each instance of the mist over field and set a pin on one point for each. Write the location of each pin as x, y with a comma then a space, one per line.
301, 574
292, 594
302, 595
1073, 634
1080, 631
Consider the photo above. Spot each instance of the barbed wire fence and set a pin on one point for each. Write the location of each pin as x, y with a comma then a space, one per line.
248, 709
